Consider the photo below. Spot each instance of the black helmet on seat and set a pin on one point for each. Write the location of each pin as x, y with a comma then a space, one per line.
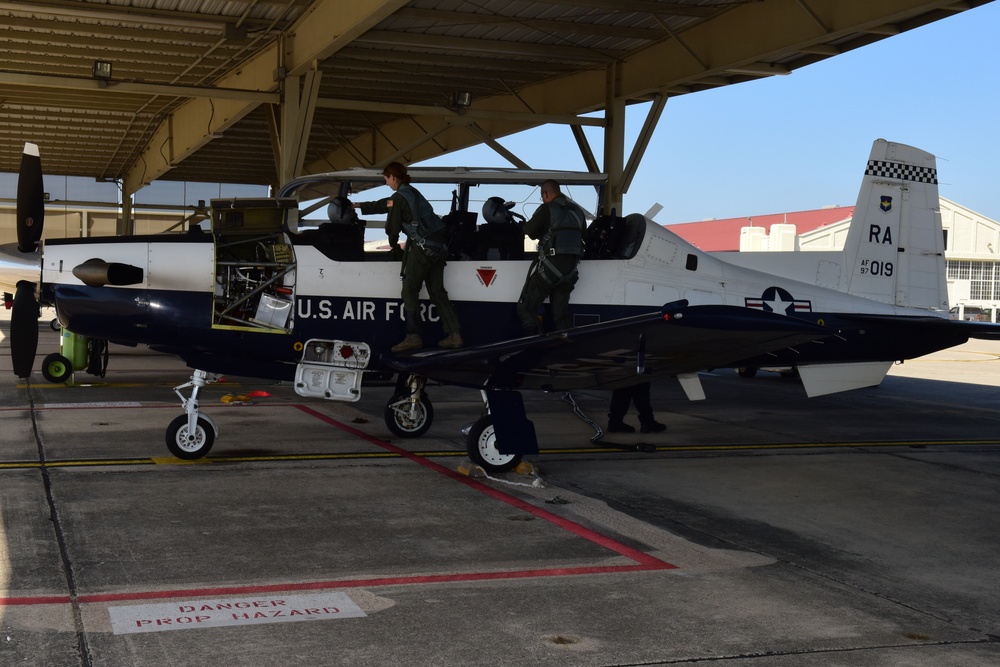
497, 211
341, 210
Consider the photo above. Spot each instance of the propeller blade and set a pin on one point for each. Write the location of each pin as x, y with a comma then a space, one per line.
30, 200
24, 329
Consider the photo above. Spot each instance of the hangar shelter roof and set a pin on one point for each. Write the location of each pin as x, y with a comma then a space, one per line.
202, 88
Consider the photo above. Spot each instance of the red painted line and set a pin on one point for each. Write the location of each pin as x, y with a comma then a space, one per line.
259, 589
41, 599
360, 583
70, 406
565, 524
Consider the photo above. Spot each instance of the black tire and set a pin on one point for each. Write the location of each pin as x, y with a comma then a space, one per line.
482, 449
398, 416
183, 447
54, 324
57, 368
746, 371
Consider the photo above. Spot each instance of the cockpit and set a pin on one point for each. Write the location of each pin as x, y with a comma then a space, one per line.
485, 213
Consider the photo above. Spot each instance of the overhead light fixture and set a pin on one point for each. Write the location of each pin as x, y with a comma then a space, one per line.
760, 69
102, 70
462, 100
233, 31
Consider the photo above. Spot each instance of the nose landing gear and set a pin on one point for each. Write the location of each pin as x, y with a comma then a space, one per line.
191, 435
409, 412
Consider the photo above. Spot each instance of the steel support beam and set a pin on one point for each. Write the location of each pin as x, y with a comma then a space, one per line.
614, 138
328, 26
296, 122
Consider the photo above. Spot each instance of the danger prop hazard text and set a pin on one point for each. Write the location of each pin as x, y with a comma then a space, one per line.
230, 612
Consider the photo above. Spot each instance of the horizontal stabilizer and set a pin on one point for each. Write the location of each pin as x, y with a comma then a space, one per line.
823, 379
982, 330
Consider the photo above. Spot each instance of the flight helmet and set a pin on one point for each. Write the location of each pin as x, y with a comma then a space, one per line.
497, 211
340, 210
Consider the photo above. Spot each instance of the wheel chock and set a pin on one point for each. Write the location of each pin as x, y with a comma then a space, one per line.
472, 470
525, 468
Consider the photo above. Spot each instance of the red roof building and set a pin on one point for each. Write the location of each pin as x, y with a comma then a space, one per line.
724, 235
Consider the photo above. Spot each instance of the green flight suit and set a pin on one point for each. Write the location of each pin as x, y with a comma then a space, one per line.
554, 273
417, 269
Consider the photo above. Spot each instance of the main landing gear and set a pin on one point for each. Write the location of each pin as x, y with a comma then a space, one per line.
481, 445
192, 434
499, 439
409, 414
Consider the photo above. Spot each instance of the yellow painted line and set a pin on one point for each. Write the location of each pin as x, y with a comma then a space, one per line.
170, 460
330, 457
795, 445
75, 464
321, 457
174, 461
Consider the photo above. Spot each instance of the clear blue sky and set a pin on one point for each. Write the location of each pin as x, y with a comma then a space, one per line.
800, 142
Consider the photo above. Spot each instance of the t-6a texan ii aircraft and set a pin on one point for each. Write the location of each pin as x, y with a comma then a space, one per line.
257, 295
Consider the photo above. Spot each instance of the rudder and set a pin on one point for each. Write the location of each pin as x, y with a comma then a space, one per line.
895, 246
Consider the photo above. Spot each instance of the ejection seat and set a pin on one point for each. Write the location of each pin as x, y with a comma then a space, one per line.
502, 237
343, 238
613, 237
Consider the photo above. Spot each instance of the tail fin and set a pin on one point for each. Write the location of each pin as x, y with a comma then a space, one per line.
894, 249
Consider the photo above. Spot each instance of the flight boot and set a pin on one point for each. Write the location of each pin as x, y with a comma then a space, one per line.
651, 426
411, 342
533, 330
453, 341
619, 426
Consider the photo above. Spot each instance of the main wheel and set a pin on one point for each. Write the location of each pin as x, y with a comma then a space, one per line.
186, 445
482, 448
406, 419
56, 368
746, 371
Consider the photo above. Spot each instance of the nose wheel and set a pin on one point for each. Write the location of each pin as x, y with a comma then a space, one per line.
187, 443
409, 413
191, 435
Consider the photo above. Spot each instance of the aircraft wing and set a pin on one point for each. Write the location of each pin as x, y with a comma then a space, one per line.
670, 341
